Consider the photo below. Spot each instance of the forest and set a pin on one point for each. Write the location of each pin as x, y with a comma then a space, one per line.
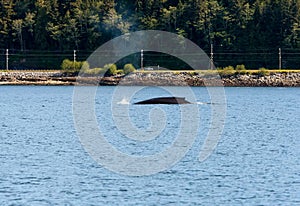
84, 25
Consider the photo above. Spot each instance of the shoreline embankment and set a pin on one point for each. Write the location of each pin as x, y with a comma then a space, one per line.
182, 78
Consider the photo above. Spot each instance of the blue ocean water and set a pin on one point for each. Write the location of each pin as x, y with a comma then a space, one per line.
256, 161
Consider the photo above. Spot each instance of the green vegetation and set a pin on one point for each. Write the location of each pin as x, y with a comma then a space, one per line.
68, 25
84, 25
84, 67
71, 66
112, 70
128, 68
263, 72
95, 71
241, 69
227, 71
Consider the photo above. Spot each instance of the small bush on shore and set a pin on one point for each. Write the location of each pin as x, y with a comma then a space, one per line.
128, 68
227, 71
68, 65
112, 70
71, 66
94, 71
263, 72
85, 66
241, 69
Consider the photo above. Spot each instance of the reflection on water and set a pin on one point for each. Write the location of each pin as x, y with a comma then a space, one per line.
43, 163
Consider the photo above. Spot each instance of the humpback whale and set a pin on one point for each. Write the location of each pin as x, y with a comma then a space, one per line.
165, 100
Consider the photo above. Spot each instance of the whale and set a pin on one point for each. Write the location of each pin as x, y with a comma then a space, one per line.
165, 100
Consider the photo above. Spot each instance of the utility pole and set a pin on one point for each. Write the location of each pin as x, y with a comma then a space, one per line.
280, 59
211, 56
7, 54
142, 59
74, 59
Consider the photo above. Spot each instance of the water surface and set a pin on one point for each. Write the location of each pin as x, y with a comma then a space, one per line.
256, 162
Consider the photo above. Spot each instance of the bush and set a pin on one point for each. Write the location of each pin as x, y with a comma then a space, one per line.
85, 66
71, 66
67, 65
229, 68
120, 72
241, 69
94, 71
128, 68
227, 71
263, 72
111, 69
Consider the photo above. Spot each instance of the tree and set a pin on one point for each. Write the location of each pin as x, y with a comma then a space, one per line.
88, 14
6, 12
291, 11
237, 21
41, 34
86, 24
114, 24
17, 27
29, 23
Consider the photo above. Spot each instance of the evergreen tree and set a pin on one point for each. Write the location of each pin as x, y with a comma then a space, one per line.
86, 24
6, 13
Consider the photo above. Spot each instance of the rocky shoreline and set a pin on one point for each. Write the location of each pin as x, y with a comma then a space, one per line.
56, 78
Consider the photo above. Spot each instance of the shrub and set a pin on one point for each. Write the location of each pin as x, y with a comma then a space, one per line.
244, 71
241, 69
71, 66
111, 69
229, 68
98, 71
128, 68
120, 72
85, 66
227, 71
67, 65
94, 71
263, 72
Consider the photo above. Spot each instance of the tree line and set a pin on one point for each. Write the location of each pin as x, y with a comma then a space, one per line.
237, 25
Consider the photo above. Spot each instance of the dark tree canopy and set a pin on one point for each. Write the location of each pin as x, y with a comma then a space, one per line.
86, 24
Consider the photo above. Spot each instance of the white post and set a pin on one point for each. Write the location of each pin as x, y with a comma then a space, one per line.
211, 56
74, 59
280, 59
142, 59
7, 54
